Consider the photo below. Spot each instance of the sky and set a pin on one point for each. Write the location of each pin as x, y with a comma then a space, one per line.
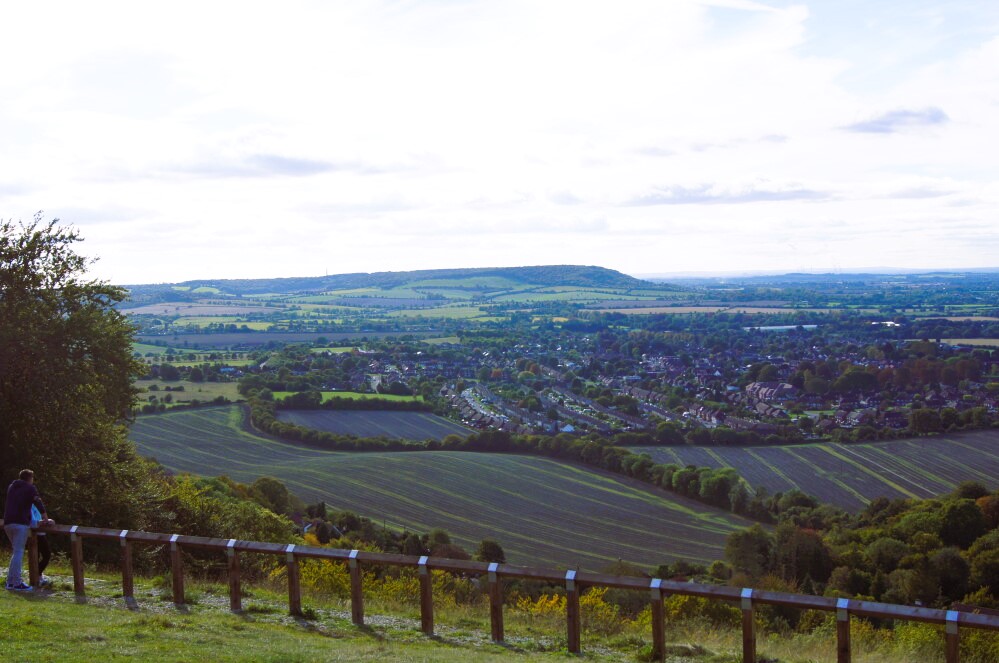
193, 140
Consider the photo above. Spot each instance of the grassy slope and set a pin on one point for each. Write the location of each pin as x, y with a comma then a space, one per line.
542, 511
850, 475
53, 626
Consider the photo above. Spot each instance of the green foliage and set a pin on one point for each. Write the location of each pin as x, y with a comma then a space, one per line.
66, 369
490, 551
749, 551
963, 523
200, 508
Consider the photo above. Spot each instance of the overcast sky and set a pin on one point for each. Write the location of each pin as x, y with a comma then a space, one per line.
258, 139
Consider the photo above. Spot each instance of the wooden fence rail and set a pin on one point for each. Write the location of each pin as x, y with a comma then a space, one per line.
573, 581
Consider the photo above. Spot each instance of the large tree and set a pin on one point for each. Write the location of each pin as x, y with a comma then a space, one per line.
66, 370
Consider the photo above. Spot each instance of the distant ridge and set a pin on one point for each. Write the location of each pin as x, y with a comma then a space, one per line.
541, 275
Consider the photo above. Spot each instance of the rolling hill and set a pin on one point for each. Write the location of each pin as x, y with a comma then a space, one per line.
475, 278
542, 511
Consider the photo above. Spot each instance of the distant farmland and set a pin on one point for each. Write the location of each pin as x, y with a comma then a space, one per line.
376, 423
541, 511
243, 339
850, 475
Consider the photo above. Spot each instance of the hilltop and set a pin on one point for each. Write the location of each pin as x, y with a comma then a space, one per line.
483, 278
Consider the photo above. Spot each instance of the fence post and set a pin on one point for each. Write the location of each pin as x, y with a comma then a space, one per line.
426, 597
953, 650
294, 582
748, 627
176, 571
572, 612
356, 591
495, 603
76, 555
843, 653
658, 621
127, 580
232, 564
33, 575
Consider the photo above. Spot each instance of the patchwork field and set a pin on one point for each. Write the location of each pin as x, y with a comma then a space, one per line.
376, 423
541, 511
850, 475
244, 339
198, 309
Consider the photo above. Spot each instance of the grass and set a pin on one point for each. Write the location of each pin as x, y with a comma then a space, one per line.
443, 312
53, 625
978, 342
203, 321
146, 348
543, 512
453, 340
201, 391
180, 362
356, 395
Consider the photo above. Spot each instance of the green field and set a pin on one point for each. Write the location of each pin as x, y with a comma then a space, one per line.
453, 340
542, 511
356, 395
978, 342
146, 348
201, 391
447, 312
850, 475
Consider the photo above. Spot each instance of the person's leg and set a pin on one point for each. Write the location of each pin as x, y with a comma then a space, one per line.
18, 535
44, 553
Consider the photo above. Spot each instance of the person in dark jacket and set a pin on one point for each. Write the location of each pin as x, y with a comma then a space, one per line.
21, 494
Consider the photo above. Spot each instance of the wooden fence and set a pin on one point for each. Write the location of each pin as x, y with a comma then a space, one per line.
573, 581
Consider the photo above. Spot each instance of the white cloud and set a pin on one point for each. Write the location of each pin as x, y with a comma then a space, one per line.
247, 139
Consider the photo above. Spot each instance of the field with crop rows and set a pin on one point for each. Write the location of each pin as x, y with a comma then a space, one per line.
376, 423
850, 475
541, 511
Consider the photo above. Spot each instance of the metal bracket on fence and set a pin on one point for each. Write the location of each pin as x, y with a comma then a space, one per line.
122, 536
423, 565
655, 589
173, 541
289, 552
747, 598
230, 548
843, 610
951, 623
492, 571
570, 581
352, 559
72, 533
